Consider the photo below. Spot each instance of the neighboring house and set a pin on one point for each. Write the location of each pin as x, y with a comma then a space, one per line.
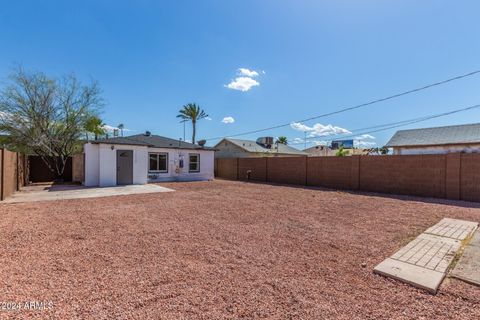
325, 151
144, 158
437, 140
320, 151
263, 147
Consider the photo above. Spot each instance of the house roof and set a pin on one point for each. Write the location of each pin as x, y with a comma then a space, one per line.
460, 134
315, 148
252, 146
153, 141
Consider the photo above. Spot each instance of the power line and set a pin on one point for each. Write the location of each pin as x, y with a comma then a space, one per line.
395, 124
398, 124
357, 106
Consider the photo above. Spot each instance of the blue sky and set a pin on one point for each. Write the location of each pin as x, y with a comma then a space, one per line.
312, 57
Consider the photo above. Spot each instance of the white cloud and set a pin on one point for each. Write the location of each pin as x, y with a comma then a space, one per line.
300, 126
242, 84
364, 141
208, 118
244, 80
319, 130
314, 142
297, 140
321, 143
247, 72
228, 120
365, 137
110, 128
364, 144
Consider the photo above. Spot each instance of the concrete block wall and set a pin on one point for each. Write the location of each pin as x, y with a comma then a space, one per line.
227, 168
330, 172
451, 176
420, 175
291, 170
470, 177
252, 169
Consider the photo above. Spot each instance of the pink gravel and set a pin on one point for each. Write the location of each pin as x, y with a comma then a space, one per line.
223, 250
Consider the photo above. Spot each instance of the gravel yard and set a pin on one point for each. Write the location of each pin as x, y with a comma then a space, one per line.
223, 250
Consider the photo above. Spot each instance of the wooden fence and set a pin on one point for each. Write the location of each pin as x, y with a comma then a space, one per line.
451, 176
17, 170
74, 169
13, 172
40, 172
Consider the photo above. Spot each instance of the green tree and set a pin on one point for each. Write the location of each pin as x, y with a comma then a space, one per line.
342, 152
282, 140
94, 125
46, 116
192, 112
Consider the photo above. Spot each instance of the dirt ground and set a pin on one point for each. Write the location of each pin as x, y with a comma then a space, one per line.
222, 250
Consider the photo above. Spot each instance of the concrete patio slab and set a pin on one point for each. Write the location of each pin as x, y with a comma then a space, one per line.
422, 263
425, 261
48, 192
468, 267
453, 228
475, 239
414, 275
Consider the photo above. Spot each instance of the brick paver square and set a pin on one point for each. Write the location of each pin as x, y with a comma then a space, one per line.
453, 228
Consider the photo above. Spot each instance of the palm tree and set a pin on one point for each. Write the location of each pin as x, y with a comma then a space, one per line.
282, 140
192, 112
121, 127
94, 125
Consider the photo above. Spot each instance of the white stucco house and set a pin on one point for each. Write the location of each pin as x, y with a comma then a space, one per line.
437, 140
144, 158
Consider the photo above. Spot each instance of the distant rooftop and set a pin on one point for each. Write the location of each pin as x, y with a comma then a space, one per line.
313, 148
151, 141
253, 146
459, 134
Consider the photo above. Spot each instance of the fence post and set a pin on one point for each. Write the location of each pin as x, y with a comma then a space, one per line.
306, 170
355, 172
266, 170
452, 176
238, 164
26, 168
17, 173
